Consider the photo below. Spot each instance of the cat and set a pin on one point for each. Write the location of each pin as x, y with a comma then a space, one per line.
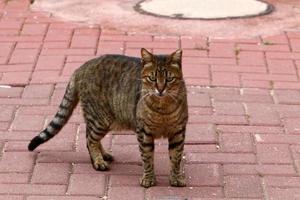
147, 95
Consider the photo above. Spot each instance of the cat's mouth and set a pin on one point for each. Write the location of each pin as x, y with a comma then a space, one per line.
163, 98
160, 96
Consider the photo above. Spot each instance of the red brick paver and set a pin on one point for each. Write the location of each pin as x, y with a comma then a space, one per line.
242, 139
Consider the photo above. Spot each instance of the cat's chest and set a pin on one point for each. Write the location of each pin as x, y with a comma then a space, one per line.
161, 125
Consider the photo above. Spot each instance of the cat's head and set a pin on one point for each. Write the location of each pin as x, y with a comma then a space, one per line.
162, 74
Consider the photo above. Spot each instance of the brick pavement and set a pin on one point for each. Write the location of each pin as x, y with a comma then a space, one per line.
243, 137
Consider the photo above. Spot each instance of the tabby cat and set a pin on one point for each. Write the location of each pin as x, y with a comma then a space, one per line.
116, 92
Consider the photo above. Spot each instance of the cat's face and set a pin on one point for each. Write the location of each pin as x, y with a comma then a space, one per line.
162, 74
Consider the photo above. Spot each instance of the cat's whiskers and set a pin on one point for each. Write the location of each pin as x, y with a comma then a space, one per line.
144, 96
143, 90
170, 95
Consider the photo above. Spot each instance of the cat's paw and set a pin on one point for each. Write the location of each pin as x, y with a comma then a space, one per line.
101, 166
108, 157
148, 181
177, 180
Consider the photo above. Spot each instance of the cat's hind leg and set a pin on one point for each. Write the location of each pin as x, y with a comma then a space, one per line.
95, 149
106, 156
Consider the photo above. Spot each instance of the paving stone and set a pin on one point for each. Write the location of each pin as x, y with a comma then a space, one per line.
221, 50
250, 129
200, 134
196, 71
46, 77
292, 125
15, 78
14, 177
126, 193
11, 197
242, 98
6, 113
115, 169
295, 43
28, 123
207, 61
263, 47
51, 173
275, 39
37, 91
220, 158
238, 69
34, 29
6, 48
55, 62
287, 96
226, 108
82, 41
256, 84
283, 193
68, 197
243, 131
63, 157
296, 155
243, 186
236, 142
24, 56
87, 184
269, 77
17, 162
275, 181
131, 155
16, 67
279, 139
124, 180
12, 146
69, 68
11, 92
286, 85
28, 45
251, 58
32, 189
186, 192
262, 169
226, 79
125, 139
281, 66
203, 175
218, 119
196, 100
260, 114
274, 153
200, 111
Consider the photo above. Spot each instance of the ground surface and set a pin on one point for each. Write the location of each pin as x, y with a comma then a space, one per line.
243, 137
120, 14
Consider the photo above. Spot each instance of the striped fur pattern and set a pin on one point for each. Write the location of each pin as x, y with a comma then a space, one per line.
116, 92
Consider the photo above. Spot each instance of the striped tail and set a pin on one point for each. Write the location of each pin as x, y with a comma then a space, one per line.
62, 116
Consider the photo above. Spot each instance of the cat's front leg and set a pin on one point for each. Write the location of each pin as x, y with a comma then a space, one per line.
176, 145
146, 147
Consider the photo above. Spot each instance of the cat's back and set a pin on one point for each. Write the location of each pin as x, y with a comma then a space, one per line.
111, 83
108, 72
109, 64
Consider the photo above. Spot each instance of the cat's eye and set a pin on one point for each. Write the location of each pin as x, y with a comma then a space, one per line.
151, 78
170, 79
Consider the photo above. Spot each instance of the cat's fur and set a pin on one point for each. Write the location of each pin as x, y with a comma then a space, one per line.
117, 92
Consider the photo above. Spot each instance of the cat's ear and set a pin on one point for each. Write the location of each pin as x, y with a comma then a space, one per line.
177, 55
146, 55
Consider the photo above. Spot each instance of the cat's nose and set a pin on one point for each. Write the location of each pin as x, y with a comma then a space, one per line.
159, 92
